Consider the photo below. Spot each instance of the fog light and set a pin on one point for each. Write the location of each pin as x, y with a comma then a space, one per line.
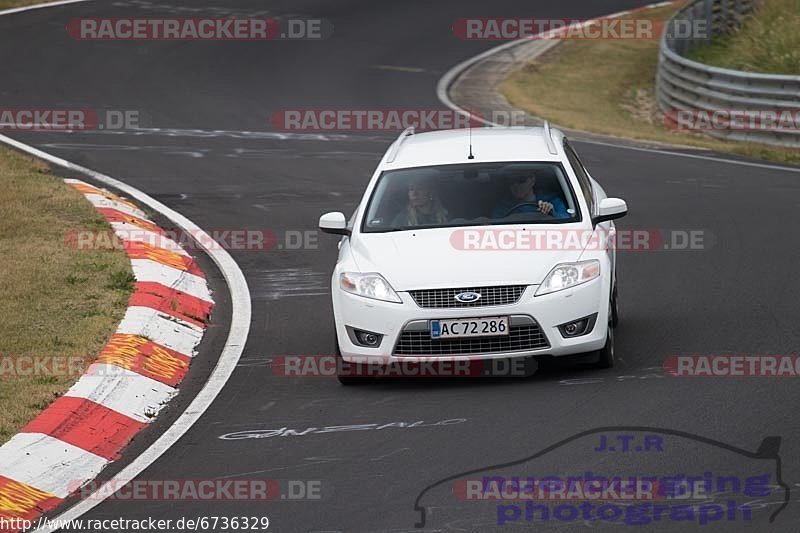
579, 327
366, 338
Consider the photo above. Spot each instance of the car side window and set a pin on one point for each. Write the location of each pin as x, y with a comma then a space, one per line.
583, 176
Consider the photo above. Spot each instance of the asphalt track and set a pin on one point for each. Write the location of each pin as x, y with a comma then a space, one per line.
739, 295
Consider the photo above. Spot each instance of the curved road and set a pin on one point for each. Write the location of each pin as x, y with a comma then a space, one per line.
203, 106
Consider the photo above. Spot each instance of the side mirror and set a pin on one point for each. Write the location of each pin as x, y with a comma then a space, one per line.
610, 209
334, 223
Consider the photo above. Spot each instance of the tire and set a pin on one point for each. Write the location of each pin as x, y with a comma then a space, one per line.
605, 356
614, 313
347, 380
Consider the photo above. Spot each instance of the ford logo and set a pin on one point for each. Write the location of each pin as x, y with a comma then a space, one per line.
467, 297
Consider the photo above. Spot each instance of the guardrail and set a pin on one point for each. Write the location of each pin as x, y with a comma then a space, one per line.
683, 85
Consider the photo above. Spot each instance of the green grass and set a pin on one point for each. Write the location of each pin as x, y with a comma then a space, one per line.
121, 280
56, 301
8, 4
608, 87
768, 42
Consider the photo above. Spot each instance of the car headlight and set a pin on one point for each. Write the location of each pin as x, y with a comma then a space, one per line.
370, 285
568, 275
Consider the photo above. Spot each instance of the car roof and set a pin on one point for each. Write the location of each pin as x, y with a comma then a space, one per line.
488, 144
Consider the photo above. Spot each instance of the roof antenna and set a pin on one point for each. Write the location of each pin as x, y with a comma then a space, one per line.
469, 125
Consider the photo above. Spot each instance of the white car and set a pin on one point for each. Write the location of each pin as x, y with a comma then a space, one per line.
477, 244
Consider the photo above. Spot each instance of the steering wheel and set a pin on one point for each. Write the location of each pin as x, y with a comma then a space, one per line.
524, 204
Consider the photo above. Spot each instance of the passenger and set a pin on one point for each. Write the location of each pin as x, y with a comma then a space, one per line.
424, 207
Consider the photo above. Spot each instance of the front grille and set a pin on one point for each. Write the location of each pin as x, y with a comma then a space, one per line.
444, 298
519, 338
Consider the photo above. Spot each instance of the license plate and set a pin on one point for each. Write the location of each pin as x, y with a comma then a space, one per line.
491, 326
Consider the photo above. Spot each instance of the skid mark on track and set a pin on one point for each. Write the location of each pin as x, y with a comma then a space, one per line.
313, 462
384, 456
254, 362
317, 402
654, 372
288, 283
187, 151
398, 68
246, 153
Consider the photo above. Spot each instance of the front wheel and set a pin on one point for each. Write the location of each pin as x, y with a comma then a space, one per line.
604, 357
614, 311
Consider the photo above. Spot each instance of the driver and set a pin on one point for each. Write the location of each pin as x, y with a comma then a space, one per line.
523, 198
424, 207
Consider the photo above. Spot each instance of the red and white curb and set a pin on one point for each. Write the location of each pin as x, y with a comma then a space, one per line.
134, 376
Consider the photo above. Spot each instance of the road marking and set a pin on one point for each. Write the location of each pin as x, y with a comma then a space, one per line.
692, 156
286, 432
442, 92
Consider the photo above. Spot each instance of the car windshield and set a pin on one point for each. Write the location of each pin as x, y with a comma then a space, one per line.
470, 195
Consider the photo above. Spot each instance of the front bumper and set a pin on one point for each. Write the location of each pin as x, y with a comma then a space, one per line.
547, 312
